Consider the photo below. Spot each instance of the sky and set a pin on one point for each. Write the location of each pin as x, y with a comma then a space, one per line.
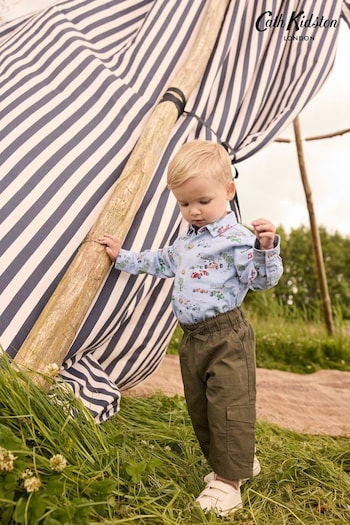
269, 183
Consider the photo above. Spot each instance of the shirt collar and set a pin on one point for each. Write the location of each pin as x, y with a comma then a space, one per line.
217, 227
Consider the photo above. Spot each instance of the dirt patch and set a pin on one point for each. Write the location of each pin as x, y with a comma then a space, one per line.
315, 404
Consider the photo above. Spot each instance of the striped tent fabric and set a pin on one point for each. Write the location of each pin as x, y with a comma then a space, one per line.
78, 81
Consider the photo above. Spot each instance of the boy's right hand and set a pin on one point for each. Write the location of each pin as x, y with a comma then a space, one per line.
112, 244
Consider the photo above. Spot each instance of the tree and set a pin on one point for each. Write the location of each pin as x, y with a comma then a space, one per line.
298, 290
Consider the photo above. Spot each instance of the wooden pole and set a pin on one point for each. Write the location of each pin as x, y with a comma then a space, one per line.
53, 333
315, 235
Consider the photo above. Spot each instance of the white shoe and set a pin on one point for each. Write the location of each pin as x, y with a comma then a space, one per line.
256, 470
221, 497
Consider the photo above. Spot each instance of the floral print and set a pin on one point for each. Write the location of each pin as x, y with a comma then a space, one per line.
213, 268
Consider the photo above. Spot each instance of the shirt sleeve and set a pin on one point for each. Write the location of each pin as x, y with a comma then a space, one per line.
260, 269
159, 263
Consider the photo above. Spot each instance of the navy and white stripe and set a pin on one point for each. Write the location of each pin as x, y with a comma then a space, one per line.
77, 84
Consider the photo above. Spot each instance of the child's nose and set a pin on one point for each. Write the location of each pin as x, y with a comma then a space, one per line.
195, 211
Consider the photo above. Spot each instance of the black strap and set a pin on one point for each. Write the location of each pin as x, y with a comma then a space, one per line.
234, 203
179, 102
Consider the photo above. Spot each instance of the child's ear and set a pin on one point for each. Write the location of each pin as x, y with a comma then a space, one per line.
231, 190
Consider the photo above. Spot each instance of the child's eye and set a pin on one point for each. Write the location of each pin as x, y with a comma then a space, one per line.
183, 204
205, 202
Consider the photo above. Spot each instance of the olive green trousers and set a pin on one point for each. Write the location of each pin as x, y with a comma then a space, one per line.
217, 359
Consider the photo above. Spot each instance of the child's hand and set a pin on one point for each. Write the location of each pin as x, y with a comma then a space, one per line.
265, 233
112, 244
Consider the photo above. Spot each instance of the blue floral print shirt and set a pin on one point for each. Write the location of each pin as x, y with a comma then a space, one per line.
213, 268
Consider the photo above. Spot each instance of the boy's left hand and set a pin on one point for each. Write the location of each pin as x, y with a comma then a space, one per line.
265, 233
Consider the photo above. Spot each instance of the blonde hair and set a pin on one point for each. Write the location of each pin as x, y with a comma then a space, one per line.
199, 157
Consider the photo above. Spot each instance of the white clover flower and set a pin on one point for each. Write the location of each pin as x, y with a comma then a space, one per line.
58, 462
51, 370
27, 474
32, 484
6, 460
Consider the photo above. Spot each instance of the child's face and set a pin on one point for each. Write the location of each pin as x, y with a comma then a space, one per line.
203, 200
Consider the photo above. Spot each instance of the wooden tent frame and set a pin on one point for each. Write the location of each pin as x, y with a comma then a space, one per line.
315, 234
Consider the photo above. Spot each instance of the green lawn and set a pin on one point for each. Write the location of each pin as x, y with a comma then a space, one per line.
143, 466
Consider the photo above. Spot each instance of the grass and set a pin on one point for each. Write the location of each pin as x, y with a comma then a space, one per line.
300, 347
293, 345
143, 466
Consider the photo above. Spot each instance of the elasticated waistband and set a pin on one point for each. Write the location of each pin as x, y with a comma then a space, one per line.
226, 320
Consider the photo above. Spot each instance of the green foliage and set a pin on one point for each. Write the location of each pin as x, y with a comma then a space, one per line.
302, 354
298, 289
294, 344
175, 340
56, 457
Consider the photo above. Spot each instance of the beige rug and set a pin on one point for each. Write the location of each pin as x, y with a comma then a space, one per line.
317, 403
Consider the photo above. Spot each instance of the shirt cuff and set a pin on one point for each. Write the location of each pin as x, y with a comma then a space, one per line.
276, 243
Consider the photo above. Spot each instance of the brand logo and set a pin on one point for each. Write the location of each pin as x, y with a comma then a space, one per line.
295, 22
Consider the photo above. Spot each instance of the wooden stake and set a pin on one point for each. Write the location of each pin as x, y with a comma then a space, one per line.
53, 333
315, 234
